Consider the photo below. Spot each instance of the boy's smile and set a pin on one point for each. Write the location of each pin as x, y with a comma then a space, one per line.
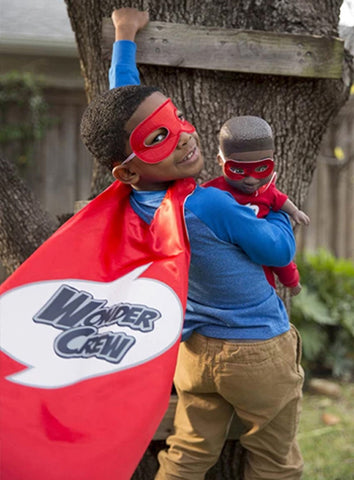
185, 160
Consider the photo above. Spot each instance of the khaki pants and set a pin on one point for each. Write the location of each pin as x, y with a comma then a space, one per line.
261, 382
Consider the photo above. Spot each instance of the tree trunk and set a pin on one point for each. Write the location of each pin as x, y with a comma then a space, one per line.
229, 467
298, 110
23, 223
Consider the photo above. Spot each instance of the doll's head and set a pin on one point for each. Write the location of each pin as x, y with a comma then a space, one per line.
246, 153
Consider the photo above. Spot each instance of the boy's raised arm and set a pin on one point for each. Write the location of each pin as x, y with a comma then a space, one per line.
127, 22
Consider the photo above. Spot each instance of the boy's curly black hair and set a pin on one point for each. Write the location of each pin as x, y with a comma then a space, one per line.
245, 134
103, 123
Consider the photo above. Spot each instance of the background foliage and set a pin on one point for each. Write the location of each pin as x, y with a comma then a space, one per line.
324, 314
21, 97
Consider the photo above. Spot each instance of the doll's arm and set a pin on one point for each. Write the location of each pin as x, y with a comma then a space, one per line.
298, 215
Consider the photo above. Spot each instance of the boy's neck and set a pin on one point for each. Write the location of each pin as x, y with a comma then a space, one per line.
152, 188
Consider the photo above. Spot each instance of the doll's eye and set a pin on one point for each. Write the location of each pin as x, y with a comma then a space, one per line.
238, 170
260, 169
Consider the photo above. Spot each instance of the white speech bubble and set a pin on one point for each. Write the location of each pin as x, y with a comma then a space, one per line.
33, 343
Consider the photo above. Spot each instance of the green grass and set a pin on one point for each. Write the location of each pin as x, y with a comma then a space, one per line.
328, 451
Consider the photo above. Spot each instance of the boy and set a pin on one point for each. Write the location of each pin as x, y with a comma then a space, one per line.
246, 158
240, 353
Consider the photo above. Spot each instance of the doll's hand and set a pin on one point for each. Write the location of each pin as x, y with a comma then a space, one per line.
295, 290
300, 217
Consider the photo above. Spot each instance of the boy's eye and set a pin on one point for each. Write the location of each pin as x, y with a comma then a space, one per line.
156, 137
159, 137
262, 168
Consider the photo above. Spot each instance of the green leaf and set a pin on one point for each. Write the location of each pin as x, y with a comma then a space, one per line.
312, 308
348, 321
314, 341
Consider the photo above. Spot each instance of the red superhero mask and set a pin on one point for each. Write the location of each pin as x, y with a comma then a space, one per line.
166, 117
236, 170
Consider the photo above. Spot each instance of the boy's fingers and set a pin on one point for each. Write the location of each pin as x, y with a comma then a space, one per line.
143, 17
128, 15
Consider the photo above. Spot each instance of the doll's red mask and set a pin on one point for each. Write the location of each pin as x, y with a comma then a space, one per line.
166, 118
236, 170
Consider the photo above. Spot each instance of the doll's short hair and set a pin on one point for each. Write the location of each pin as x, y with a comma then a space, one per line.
103, 123
245, 134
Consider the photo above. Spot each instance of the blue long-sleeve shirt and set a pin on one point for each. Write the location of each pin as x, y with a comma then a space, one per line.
123, 69
228, 294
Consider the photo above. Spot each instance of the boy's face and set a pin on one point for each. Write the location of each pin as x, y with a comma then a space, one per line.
250, 181
185, 160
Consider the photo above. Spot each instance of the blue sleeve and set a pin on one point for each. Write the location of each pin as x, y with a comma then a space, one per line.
267, 241
123, 70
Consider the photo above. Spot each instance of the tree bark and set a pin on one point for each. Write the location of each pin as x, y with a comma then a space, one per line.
298, 110
229, 467
24, 225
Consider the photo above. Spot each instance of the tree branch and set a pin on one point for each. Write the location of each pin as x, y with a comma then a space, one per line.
24, 225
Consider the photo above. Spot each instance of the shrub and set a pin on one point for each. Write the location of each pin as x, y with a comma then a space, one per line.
24, 115
324, 313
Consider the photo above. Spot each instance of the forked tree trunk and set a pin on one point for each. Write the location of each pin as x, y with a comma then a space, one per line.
298, 109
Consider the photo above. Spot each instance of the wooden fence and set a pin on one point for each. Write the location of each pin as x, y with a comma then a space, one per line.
61, 171
330, 202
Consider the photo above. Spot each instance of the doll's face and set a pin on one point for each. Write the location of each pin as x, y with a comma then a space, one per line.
247, 171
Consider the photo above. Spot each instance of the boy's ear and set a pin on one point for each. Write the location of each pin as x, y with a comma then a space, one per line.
125, 175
